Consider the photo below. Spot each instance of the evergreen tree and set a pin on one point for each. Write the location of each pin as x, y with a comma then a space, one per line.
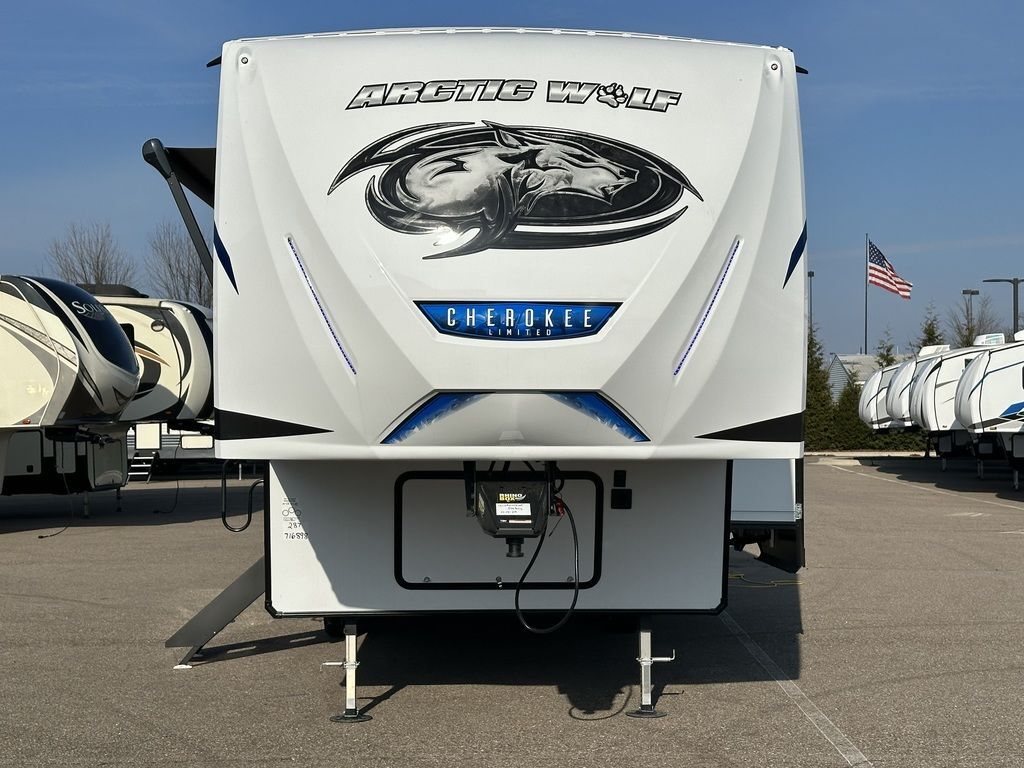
818, 417
931, 331
884, 355
850, 433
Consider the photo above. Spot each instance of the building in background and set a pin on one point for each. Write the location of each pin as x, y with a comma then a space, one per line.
856, 367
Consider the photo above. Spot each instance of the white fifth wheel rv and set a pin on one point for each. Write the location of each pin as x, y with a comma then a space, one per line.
173, 341
933, 395
990, 400
897, 396
171, 411
485, 304
68, 373
871, 406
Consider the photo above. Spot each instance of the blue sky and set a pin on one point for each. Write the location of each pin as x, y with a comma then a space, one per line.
912, 123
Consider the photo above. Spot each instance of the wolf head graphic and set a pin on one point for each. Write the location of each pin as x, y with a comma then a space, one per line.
489, 180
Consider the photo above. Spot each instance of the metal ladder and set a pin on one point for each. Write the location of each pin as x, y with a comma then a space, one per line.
141, 468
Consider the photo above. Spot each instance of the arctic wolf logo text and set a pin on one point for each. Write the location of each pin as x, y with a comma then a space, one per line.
496, 186
558, 92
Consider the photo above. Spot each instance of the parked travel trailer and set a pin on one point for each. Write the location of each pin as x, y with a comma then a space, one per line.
990, 400
173, 341
69, 372
871, 406
933, 396
897, 397
171, 411
482, 305
169, 444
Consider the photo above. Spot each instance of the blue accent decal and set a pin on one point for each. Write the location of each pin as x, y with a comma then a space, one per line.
518, 320
319, 304
1013, 410
222, 256
435, 408
798, 251
710, 304
442, 404
597, 406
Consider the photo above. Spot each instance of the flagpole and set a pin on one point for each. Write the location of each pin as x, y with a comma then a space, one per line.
865, 293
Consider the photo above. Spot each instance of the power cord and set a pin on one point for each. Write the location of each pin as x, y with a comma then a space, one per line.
750, 583
576, 572
71, 509
174, 504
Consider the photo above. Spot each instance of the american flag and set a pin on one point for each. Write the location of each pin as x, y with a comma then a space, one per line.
881, 273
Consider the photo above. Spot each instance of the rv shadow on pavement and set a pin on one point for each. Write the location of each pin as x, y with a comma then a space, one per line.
960, 475
591, 661
154, 504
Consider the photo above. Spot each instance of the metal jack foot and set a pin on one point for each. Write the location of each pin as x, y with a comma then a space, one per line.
351, 713
646, 686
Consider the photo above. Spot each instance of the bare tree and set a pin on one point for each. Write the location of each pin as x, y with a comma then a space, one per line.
88, 253
174, 269
965, 322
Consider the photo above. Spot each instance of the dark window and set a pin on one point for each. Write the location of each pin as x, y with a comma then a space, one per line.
97, 321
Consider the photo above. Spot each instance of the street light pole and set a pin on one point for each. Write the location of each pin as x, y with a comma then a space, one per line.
810, 299
970, 293
1015, 282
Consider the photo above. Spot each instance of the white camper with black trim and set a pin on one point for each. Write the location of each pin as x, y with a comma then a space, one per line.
933, 396
871, 405
483, 297
68, 373
172, 410
897, 396
173, 341
990, 400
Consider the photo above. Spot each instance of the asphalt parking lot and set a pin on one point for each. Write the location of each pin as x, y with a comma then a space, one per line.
901, 644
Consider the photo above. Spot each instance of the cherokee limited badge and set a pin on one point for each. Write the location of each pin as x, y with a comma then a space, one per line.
519, 187
517, 320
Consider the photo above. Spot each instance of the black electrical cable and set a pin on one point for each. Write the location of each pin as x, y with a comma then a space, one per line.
71, 509
576, 577
174, 505
248, 518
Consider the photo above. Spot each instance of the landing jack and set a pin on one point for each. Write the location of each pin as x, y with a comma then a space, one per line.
646, 686
351, 713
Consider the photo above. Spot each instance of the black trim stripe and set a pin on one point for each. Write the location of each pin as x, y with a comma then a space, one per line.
798, 251
996, 422
783, 429
229, 425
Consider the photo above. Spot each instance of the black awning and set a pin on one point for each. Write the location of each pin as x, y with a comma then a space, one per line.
195, 167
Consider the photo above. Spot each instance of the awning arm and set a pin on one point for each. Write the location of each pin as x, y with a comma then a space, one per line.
154, 153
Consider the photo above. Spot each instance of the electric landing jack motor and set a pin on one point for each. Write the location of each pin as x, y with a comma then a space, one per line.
513, 510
